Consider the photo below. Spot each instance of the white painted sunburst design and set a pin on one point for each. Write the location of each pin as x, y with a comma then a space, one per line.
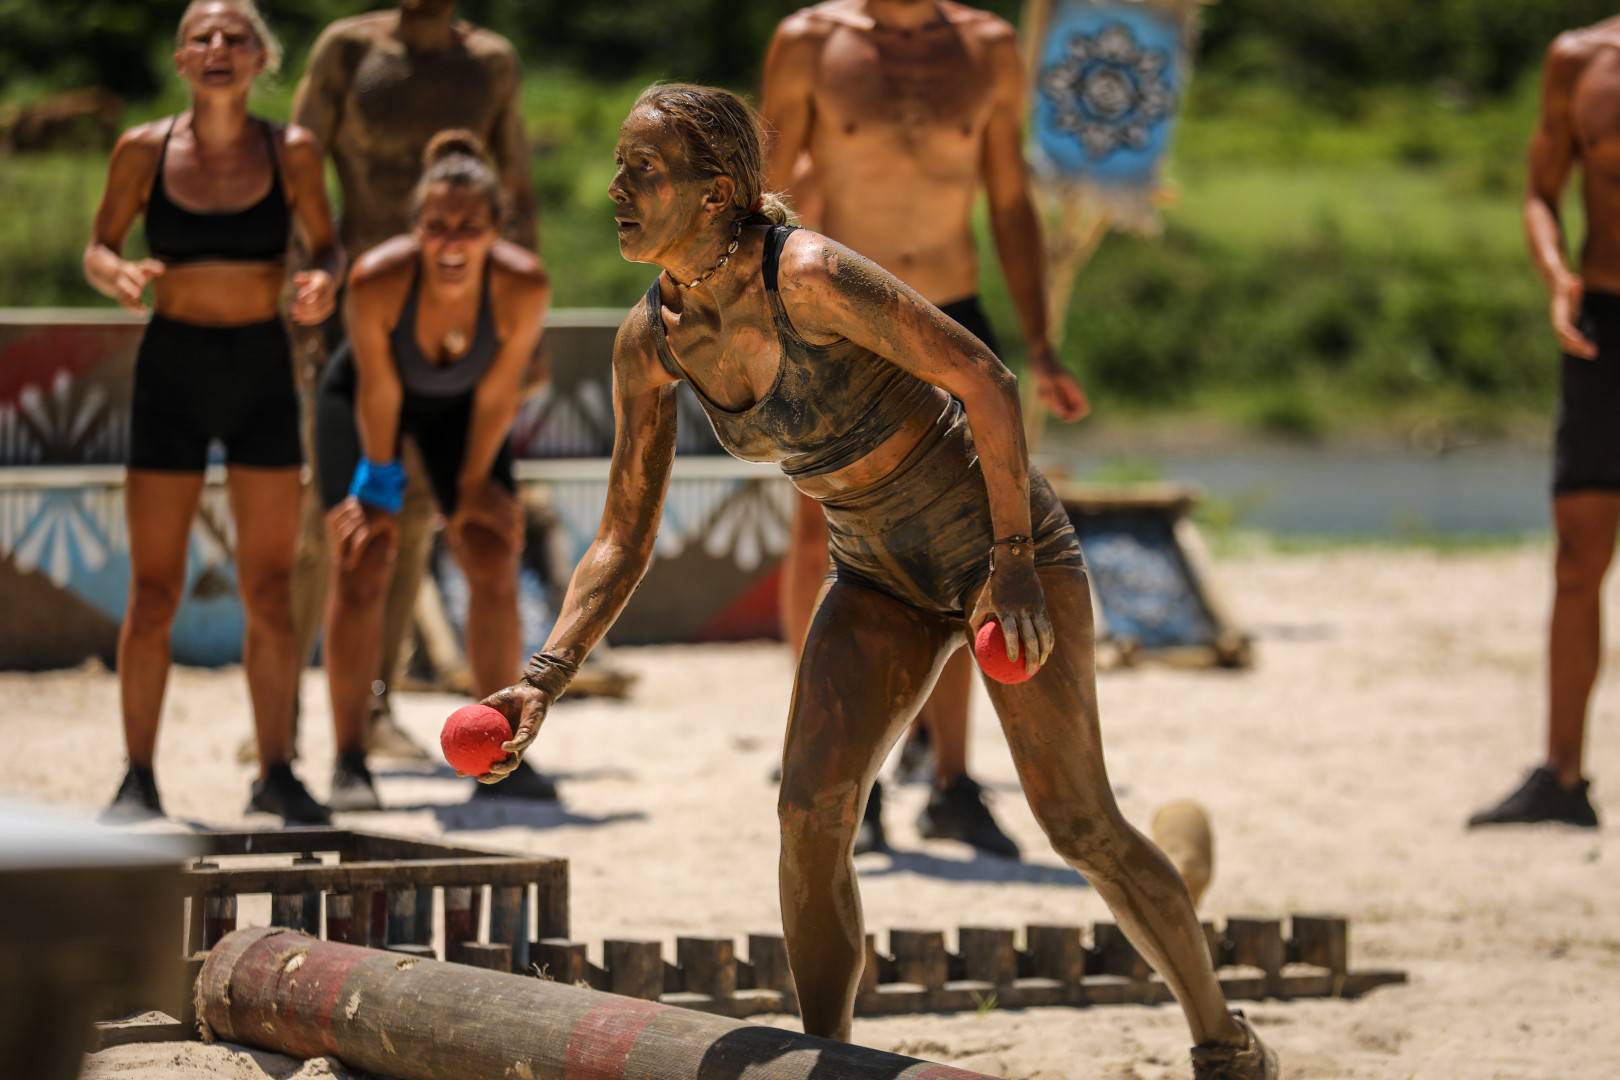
752, 526
1108, 91
49, 532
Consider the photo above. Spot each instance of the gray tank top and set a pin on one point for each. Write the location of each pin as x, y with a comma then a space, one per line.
420, 376
830, 405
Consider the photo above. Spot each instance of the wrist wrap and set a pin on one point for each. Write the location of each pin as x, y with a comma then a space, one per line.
380, 484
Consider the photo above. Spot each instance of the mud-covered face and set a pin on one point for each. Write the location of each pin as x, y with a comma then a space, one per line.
660, 207
219, 51
455, 230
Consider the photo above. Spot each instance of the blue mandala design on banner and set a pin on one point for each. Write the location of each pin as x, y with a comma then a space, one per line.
1109, 82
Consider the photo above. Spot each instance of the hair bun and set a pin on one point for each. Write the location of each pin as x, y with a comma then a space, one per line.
453, 142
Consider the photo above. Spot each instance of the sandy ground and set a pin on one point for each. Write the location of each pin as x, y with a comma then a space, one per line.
1396, 691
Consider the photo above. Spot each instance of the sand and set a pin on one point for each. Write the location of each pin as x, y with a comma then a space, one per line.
1396, 691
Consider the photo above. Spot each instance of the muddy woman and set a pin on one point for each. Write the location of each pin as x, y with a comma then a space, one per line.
906, 429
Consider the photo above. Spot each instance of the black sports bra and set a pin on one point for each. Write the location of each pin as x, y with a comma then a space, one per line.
830, 405
178, 236
421, 376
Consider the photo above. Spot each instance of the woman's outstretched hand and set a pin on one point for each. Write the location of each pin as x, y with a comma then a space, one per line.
1014, 597
525, 707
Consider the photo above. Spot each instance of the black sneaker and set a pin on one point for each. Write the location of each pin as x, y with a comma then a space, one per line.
916, 765
137, 799
352, 785
1541, 798
283, 794
524, 782
958, 812
869, 837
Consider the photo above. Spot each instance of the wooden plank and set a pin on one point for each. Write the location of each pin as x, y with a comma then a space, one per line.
1258, 943
562, 961
707, 965
919, 957
1322, 940
340, 924
219, 919
508, 921
156, 1028
988, 954
634, 968
551, 899
356, 876
494, 956
767, 953
1113, 954
461, 911
1055, 952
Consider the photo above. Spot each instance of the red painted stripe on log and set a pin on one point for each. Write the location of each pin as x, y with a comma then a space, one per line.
312, 989
600, 1044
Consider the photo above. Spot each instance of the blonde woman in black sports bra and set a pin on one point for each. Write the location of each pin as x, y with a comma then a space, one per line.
442, 324
221, 191
906, 429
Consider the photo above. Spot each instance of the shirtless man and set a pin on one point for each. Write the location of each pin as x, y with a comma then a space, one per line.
377, 88
1579, 122
902, 109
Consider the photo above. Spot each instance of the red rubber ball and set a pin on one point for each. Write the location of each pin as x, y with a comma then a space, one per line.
472, 737
990, 649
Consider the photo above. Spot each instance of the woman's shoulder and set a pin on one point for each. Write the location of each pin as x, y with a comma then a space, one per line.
515, 270
384, 269
143, 143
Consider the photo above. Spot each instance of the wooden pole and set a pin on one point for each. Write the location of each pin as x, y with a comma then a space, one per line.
427, 1020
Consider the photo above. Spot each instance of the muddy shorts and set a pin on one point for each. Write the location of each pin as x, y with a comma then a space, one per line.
922, 534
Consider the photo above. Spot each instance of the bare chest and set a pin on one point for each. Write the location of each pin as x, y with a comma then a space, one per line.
733, 365
1595, 114
924, 86
399, 100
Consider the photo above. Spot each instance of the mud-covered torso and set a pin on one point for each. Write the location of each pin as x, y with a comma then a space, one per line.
397, 100
829, 405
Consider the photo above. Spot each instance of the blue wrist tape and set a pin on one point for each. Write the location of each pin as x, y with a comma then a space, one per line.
380, 484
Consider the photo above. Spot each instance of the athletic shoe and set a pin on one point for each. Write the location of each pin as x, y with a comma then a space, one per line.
523, 783
916, 765
1541, 798
281, 793
384, 736
1254, 1061
352, 786
958, 812
869, 837
137, 799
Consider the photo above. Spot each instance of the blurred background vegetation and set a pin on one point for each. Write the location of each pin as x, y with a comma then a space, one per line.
1345, 251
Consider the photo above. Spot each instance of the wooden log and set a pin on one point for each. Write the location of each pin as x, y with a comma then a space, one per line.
1113, 954
1055, 952
434, 1021
919, 957
509, 921
1258, 943
219, 919
1322, 940
493, 956
988, 955
340, 918
634, 968
420, 952
461, 911
708, 965
562, 961
768, 955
